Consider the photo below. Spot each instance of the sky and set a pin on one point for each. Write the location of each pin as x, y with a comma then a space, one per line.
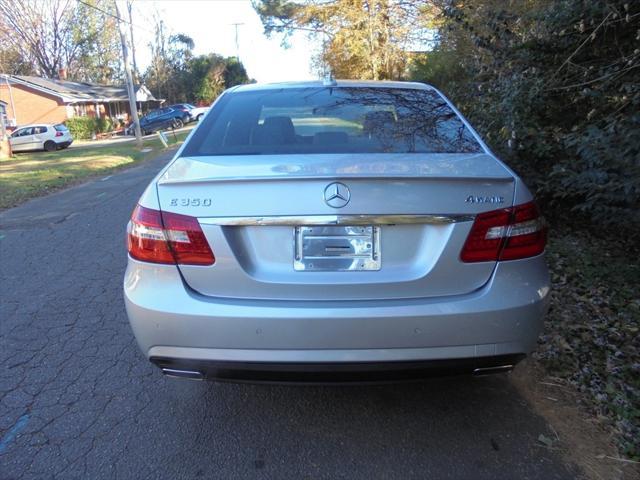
210, 24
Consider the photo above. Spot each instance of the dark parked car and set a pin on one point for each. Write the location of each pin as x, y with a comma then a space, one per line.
188, 111
166, 117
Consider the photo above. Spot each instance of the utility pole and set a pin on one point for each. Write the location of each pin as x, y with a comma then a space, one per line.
133, 43
236, 25
5, 146
127, 73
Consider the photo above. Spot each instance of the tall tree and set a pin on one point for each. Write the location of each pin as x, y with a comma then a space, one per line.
95, 30
361, 38
208, 75
54, 35
235, 73
13, 62
211, 84
41, 31
200, 80
170, 54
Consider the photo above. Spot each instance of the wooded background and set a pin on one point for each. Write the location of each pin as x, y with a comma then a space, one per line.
552, 85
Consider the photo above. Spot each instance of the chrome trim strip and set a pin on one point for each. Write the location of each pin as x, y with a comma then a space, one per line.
491, 370
336, 220
190, 374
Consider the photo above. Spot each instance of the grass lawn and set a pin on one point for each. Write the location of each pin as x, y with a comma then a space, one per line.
33, 174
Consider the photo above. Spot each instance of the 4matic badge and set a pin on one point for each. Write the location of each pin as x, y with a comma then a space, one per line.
481, 199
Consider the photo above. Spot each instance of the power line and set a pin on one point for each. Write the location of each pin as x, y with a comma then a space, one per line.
117, 17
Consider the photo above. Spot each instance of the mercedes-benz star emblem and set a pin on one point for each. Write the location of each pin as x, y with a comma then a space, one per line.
337, 195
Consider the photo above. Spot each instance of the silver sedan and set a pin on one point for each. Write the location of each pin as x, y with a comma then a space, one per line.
335, 231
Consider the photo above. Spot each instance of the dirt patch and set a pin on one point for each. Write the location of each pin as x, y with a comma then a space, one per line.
582, 438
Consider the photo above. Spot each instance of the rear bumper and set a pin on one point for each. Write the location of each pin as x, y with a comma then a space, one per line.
329, 373
247, 339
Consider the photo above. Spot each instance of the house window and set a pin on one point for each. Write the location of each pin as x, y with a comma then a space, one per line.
8, 122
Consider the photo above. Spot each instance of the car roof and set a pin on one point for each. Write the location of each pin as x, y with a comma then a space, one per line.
37, 125
332, 83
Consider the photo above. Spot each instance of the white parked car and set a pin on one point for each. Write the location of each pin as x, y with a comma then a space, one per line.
198, 112
40, 137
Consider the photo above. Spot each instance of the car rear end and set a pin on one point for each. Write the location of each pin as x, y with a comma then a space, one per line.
62, 136
199, 112
351, 232
184, 111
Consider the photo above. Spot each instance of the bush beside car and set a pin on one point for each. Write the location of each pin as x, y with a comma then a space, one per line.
85, 128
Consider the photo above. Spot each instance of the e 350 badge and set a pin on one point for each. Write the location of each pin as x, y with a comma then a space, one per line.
190, 202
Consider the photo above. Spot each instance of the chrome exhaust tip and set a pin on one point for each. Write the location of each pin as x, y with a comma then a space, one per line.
492, 370
190, 374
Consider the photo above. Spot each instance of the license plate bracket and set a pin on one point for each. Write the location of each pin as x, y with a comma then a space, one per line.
337, 248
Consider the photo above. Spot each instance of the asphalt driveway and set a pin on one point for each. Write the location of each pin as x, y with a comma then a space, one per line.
78, 400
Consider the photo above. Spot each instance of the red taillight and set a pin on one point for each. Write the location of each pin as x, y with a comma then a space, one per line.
186, 240
162, 237
59, 134
506, 234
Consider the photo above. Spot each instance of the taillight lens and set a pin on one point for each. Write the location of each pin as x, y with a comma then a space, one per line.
506, 234
170, 238
59, 134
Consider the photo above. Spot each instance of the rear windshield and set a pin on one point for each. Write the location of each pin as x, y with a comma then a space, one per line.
60, 127
331, 120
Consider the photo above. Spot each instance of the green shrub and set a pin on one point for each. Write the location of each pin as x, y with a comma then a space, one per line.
103, 124
554, 88
82, 128
85, 127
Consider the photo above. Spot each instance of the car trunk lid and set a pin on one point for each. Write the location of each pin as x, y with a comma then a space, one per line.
260, 214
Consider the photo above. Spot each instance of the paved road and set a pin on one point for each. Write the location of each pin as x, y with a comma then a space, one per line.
79, 401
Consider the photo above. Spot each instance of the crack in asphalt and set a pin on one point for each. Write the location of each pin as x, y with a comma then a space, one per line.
95, 408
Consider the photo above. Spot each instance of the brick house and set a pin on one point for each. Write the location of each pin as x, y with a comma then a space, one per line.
28, 99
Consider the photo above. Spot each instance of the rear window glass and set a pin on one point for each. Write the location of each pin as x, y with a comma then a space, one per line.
331, 120
60, 128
